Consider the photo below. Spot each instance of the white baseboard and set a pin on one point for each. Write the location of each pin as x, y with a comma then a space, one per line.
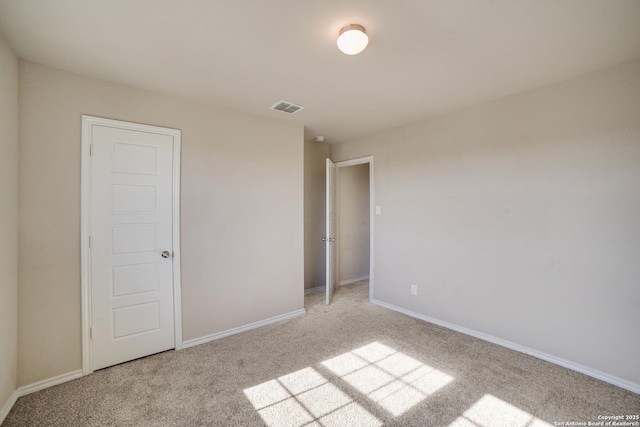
354, 280
49, 382
4, 411
313, 290
37, 386
59, 379
233, 331
622, 383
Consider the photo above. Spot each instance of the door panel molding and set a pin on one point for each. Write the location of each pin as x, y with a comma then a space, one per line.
88, 122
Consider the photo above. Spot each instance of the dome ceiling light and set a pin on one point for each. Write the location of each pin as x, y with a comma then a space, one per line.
352, 39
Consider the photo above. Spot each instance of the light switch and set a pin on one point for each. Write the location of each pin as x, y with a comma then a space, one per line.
378, 210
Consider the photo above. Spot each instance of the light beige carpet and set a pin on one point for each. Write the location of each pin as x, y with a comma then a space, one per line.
348, 364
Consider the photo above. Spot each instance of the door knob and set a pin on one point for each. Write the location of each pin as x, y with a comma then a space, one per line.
324, 239
166, 254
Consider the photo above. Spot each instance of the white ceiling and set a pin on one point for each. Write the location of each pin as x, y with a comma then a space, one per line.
425, 57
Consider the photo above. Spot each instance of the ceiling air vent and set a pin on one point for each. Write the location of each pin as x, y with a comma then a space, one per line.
286, 107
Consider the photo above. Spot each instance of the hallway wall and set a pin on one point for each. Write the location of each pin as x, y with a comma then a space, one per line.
353, 222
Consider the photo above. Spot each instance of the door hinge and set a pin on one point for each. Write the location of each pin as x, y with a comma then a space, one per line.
91, 150
91, 333
90, 242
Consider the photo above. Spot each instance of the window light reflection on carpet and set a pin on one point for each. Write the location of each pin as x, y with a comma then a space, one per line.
491, 411
388, 377
379, 373
302, 397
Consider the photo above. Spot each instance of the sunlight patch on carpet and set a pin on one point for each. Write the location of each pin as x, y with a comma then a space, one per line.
306, 398
494, 412
390, 378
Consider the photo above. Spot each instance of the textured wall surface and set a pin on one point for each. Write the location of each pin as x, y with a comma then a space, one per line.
241, 212
8, 221
315, 155
520, 218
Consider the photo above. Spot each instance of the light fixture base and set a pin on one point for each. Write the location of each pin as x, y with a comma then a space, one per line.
352, 39
349, 27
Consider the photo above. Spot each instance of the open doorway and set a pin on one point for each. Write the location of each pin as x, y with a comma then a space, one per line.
353, 226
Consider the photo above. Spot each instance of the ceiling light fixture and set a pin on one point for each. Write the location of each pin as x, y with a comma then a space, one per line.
352, 39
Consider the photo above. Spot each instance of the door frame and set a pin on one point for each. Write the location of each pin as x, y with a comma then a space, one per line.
331, 280
353, 162
85, 227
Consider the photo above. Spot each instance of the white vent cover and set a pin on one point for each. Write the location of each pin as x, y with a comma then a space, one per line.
286, 107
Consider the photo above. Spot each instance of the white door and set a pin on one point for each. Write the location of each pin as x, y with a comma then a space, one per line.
131, 267
330, 232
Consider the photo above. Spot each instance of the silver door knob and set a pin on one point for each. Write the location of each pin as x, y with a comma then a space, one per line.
166, 254
324, 239
332, 239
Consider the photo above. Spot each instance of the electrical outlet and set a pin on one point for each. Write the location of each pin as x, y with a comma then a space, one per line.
414, 290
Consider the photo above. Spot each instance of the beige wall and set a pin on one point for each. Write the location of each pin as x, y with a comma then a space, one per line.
242, 212
8, 222
353, 222
520, 218
315, 155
